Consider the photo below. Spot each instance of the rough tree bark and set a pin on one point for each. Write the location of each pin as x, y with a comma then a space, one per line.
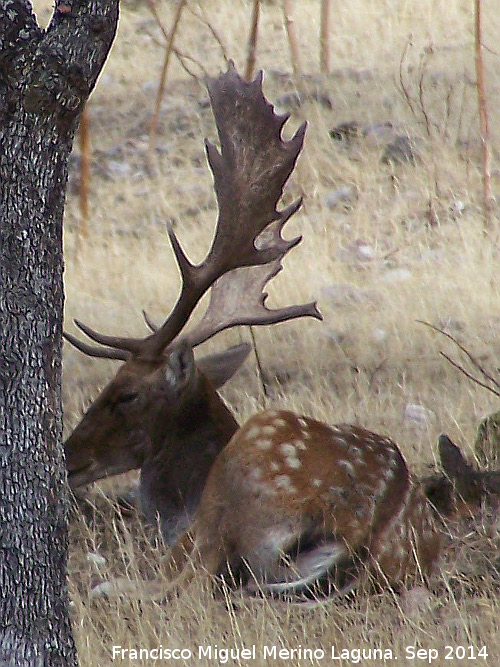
45, 79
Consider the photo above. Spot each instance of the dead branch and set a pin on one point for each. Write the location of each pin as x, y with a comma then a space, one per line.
163, 76
324, 37
85, 176
202, 17
468, 375
292, 38
488, 199
406, 93
252, 41
475, 363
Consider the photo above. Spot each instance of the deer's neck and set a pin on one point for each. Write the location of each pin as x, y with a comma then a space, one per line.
203, 423
175, 471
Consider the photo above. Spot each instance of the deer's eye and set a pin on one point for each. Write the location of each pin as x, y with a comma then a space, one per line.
127, 397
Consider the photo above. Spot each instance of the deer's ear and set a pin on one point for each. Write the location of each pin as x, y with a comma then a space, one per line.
452, 460
220, 367
180, 366
492, 482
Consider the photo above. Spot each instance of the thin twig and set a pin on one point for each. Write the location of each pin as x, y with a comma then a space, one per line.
252, 41
469, 375
406, 92
324, 37
159, 22
490, 50
447, 111
85, 177
215, 34
471, 358
292, 38
488, 200
421, 90
461, 347
181, 57
260, 372
163, 76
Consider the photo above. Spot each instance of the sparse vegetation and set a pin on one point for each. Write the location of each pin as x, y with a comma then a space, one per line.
402, 241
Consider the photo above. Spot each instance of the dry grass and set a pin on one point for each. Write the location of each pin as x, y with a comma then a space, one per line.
369, 359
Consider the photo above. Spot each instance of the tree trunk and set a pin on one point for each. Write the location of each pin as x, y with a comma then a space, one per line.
45, 80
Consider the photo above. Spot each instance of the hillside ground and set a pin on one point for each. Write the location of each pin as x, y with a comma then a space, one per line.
393, 234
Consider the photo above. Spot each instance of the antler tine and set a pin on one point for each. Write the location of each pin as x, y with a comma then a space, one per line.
132, 345
250, 172
237, 298
91, 351
149, 322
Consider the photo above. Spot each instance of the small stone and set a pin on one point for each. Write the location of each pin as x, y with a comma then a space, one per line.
96, 559
118, 169
358, 251
337, 337
396, 275
343, 294
289, 101
344, 196
457, 207
346, 131
380, 132
379, 335
418, 414
399, 151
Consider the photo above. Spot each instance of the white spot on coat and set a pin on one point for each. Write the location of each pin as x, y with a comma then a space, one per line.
264, 443
299, 444
293, 462
253, 432
284, 482
347, 465
288, 449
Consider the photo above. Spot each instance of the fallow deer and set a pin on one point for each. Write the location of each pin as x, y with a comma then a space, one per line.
293, 507
290, 500
289, 504
161, 412
461, 489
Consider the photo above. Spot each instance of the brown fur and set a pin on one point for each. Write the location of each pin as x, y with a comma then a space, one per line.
306, 482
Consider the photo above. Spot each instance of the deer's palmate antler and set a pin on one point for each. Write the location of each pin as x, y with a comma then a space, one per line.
250, 173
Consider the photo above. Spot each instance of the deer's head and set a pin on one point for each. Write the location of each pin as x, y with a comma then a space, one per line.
115, 434
462, 489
